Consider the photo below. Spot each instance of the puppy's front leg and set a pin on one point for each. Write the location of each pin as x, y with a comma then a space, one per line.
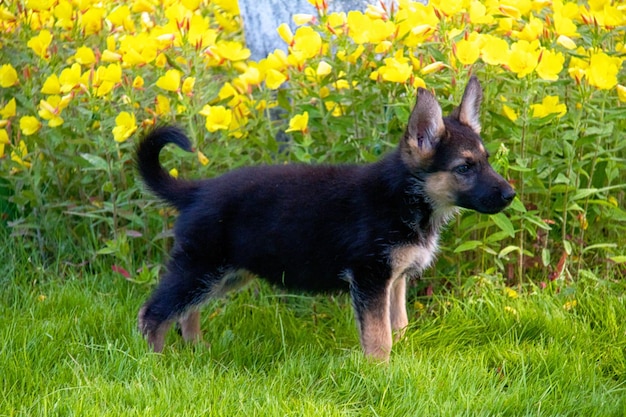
371, 307
399, 318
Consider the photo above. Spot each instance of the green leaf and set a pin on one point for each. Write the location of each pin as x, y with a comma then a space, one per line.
469, 245
567, 246
504, 223
95, 161
583, 193
509, 249
518, 206
545, 257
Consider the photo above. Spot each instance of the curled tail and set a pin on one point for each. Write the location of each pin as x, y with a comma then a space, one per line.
178, 193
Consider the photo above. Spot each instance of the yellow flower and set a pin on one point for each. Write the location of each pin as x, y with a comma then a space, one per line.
52, 85
230, 51
364, 29
564, 26
217, 117
64, 14
549, 105
509, 113
419, 82
120, 16
91, 20
107, 78
302, 18
68, 80
415, 23
8, 76
200, 34
162, 105
532, 30
85, 56
125, 126
550, 65
160, 60
4, 140
511, 293
230, 6
51, 108
40, 5
285, 33
20, 153
603, 70
133, 58
323, 68
335, 109
524, 57
307, 41
170, 81
621, 93
569, 305
203, 159
382, 47
566, 42
227, 91
110, 56
494, 50
467, 52
396, 69
434, 67
29, 125
299, 123
174, 172
138, 82
510, 310
143, 6
352, 58
8, 110
478, 13
274, 79
511, 11
40, 43
188, 84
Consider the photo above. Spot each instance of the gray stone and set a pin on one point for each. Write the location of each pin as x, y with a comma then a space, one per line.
262, 17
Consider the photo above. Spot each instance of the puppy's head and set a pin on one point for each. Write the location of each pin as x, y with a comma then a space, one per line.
448, 156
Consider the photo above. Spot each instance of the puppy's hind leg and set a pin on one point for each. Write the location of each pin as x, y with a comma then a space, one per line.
190, 326
185, 286
229, 281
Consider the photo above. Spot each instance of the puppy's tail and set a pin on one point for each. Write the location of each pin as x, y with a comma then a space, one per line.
179, 193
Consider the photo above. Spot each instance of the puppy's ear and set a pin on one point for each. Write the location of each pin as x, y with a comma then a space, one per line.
468, 111
424, 130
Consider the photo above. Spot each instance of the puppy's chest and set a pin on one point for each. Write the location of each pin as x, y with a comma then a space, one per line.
411, 258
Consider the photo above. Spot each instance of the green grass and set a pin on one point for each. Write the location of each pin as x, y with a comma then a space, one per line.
68, 346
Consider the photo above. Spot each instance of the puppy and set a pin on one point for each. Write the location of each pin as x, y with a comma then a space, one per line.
363, 228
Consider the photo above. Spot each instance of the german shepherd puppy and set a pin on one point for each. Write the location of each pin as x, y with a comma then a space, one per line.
364, 228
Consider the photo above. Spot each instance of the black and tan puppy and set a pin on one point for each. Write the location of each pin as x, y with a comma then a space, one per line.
365, 228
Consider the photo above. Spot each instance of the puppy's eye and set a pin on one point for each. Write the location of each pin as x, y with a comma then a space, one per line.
462, 169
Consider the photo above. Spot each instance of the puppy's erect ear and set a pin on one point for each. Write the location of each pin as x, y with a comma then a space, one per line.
468, 111
424, 129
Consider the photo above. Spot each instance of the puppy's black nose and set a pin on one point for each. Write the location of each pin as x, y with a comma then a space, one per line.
508, 195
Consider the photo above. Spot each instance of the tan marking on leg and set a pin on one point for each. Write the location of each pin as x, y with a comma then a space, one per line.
399, 318
154, 333
190, 327
375, 328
